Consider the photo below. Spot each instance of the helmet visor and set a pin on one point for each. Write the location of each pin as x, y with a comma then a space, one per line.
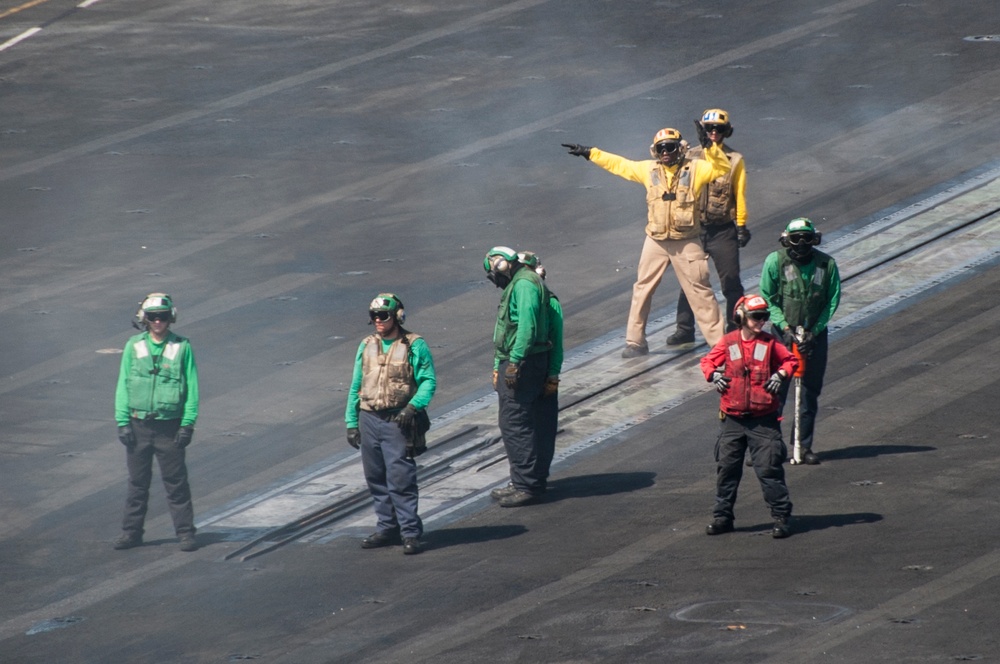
666, 148
801, 239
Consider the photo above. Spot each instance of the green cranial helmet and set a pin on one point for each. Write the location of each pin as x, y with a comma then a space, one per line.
500, 264
528, 258
800, 225
799, 237
388, 302
154, 303
499, 257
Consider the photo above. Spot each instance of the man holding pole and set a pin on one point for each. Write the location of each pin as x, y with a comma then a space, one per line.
802, 287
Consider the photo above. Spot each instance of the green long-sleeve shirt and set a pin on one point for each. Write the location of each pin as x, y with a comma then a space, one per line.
771, 282
172, 390
555, 336
521, 327
423, 375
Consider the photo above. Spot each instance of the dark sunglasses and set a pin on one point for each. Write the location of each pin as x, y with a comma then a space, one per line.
379, 315
666, 148
759, 315
159, 315
709, 128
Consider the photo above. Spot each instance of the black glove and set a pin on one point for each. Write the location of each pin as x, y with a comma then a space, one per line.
126, 436
183, 437
773, 384
578, 150
354, 438
511, 374
788, 337
413, 451
807, 342
703, 138
405, 418
742, 235
720, 381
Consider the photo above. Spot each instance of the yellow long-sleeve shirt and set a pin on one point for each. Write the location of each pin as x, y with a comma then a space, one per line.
738, 180
714, 164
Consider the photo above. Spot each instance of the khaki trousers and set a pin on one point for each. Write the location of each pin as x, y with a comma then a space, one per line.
691, 267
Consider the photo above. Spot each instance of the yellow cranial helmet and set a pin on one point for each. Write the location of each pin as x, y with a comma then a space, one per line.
667, 134
717, 117
668, 146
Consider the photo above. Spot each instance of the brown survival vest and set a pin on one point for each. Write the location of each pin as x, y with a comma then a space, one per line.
387, 377
673, 208
718, 200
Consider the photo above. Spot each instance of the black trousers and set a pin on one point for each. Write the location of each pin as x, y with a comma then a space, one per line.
721, 245
156, 438
812, 385
546, 427
762, 437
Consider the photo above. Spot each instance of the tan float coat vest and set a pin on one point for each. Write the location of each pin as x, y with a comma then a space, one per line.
673, 209
718, 201
387, 378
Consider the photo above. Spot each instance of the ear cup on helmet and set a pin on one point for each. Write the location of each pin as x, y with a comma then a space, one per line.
151, 301
746, 304
500, 264
739, 313
500, 260
389, 302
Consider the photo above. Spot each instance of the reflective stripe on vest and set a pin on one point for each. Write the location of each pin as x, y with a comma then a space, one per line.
746, 394
156, 382
802, 303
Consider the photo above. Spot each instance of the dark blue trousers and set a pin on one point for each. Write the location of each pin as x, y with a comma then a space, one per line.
391, 477
518, 418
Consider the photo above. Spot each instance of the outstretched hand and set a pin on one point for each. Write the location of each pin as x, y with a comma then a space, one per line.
578, 150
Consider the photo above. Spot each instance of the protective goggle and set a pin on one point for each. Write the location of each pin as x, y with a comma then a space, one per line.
759, 315
801, 239
157, 315
721, 128
379, 315
666, 147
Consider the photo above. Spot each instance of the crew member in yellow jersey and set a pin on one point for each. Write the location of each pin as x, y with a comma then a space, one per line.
674, 186
723, 222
